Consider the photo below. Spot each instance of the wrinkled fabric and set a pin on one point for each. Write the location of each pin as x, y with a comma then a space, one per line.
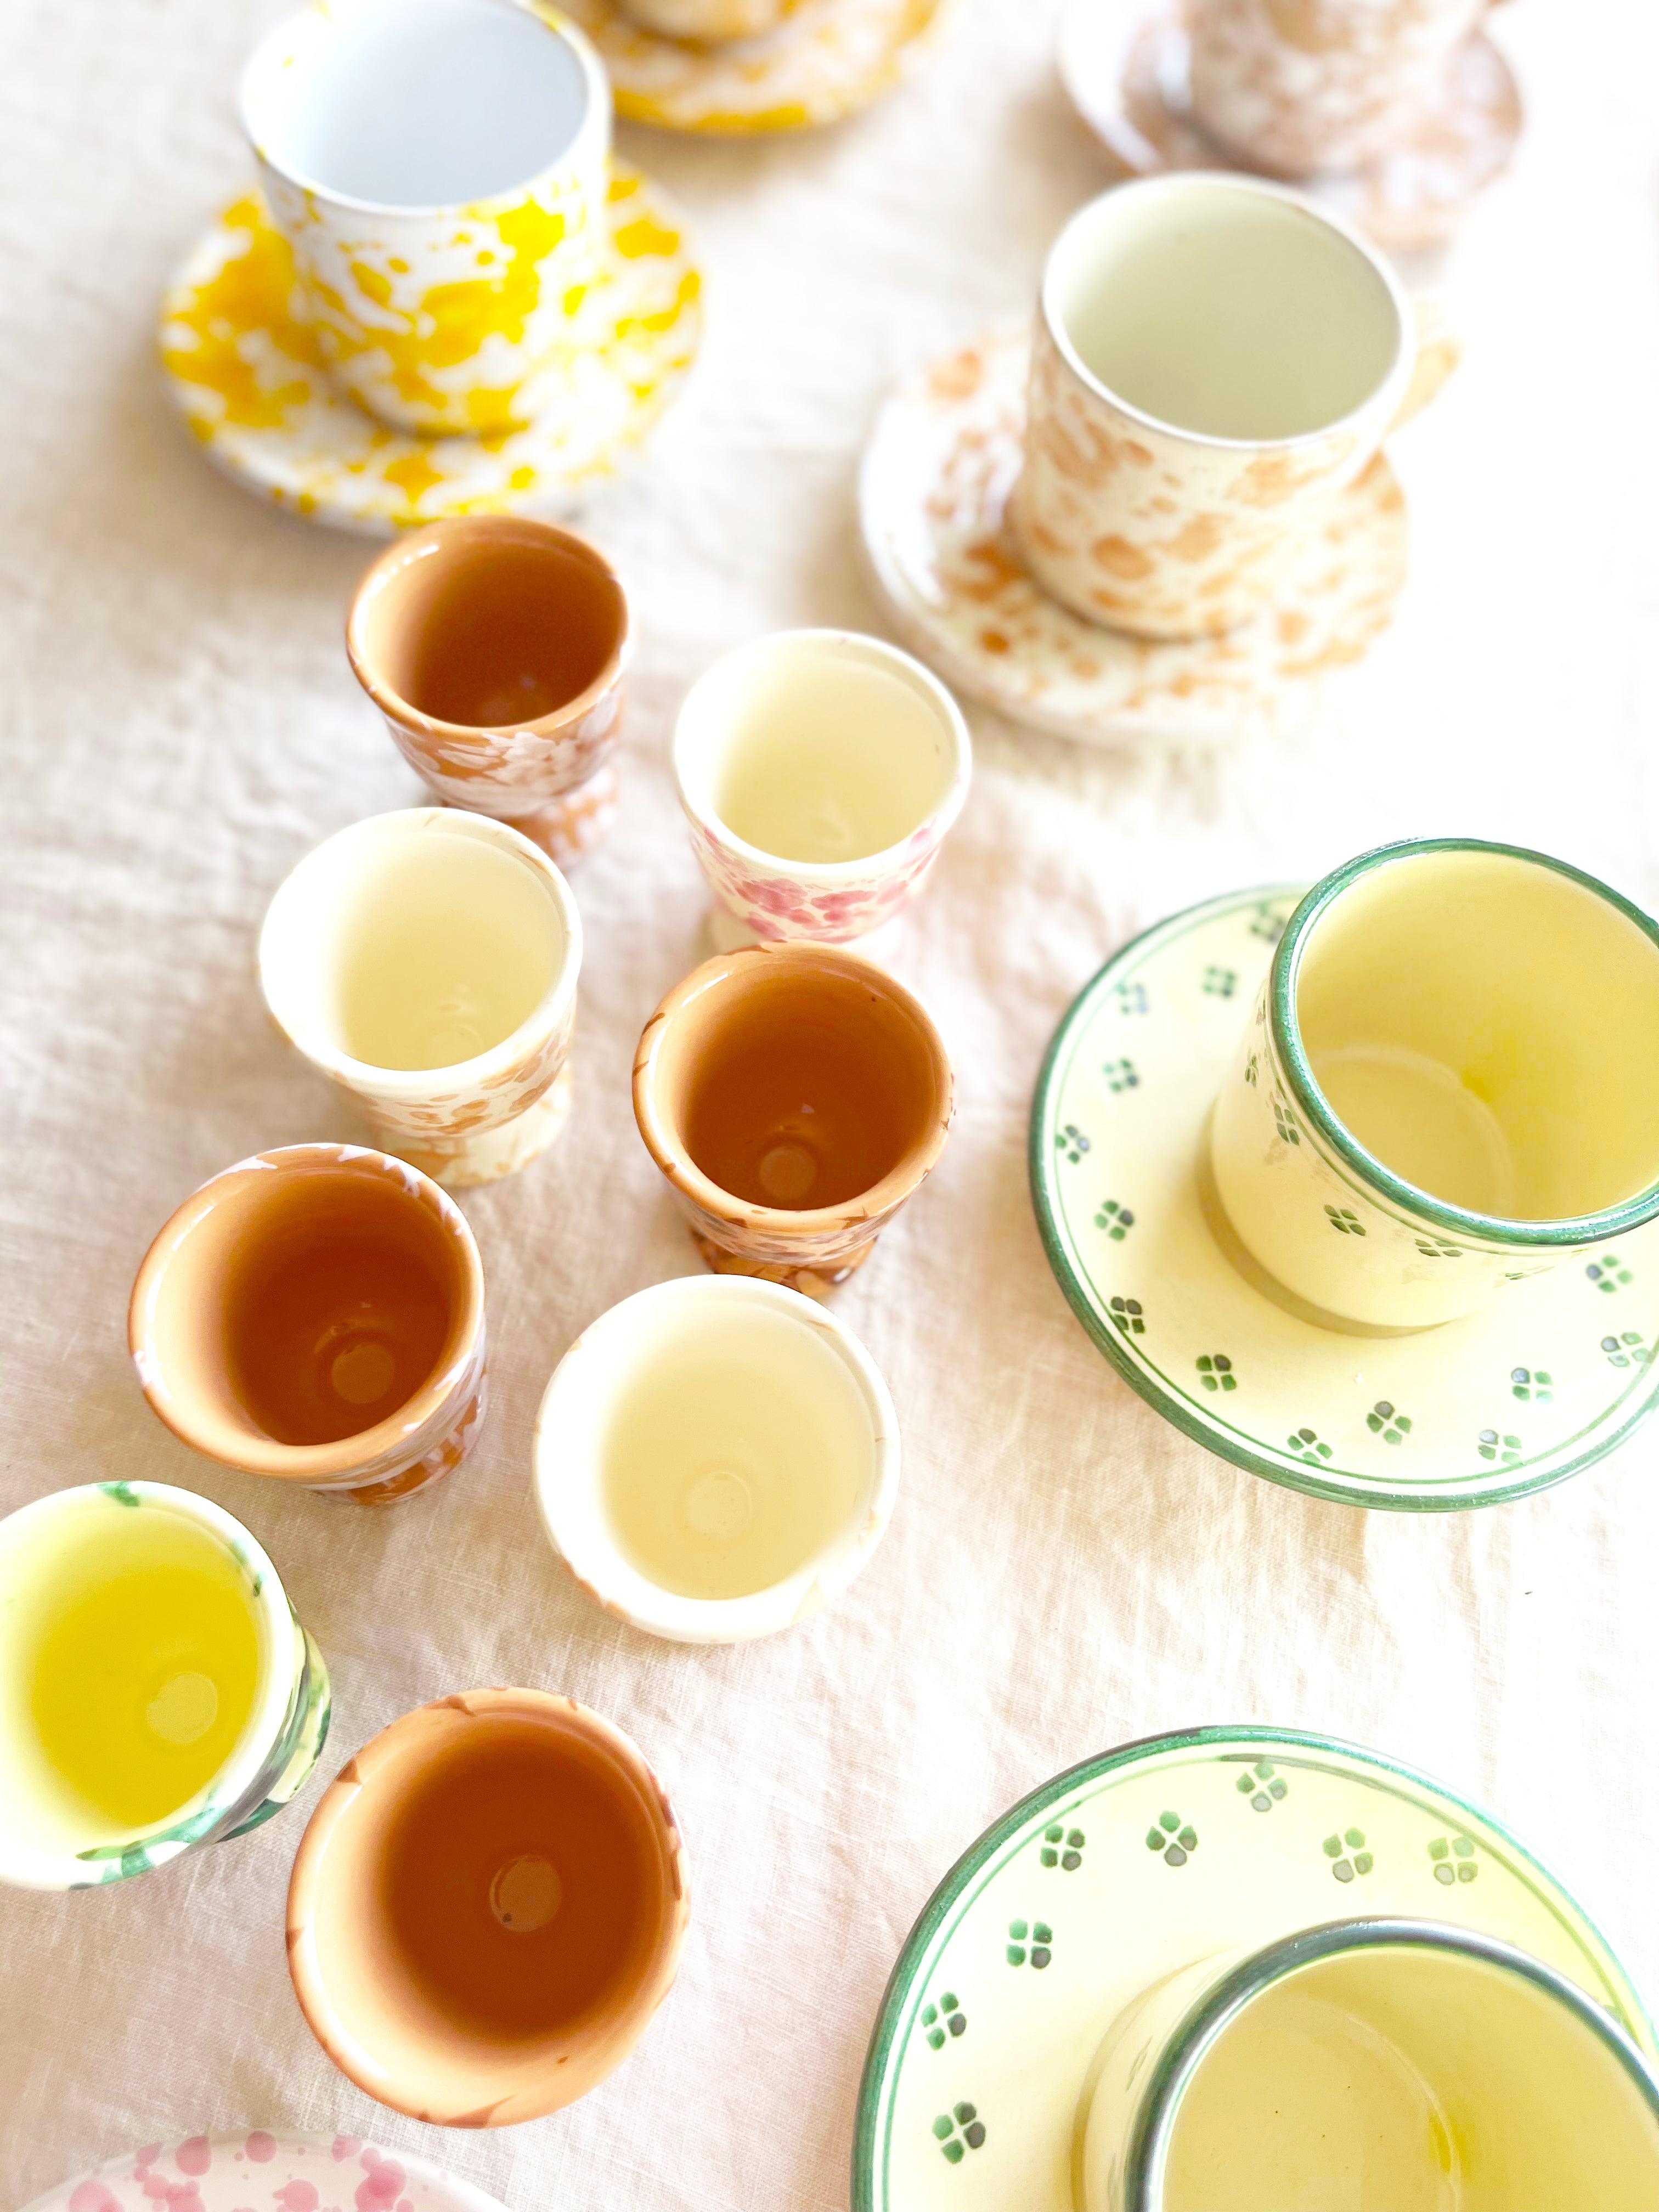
1064, 1571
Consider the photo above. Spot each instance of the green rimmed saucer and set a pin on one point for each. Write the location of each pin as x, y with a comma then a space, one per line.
1115, 1874
1543, 1381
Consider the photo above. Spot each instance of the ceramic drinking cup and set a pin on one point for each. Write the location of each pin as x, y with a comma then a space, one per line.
156, 1691
1450, 1082
487, 1908
715, 1459
427, 962
1365, 2062
795, 1096
439, 169
705, 22
1300, 86
819, 771
495, 647
1213, 360
317, 1314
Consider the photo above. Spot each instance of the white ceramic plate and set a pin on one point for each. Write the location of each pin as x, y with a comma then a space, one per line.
242, 365
1124, 1868
1545, 1380
262, 2172
936, 476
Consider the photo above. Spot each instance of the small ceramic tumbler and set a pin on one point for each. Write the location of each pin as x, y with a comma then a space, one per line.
317, 1314
160, 1693
487, 1908
795, 1096
495, 647
715, 1459
1365, 2062
1296, 86
819, 771
707, 22
1450, 1082
1214, 358
427, 962
439, 169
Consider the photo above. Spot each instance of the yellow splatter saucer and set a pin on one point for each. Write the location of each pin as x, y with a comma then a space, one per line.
825, 59
936, 476
244, 367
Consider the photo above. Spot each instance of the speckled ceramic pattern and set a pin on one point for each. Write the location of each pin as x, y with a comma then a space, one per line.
256, 2170
933, 490
1126, 68
1542, 1382
1122, 1870
824, 59
1298, 86
244, 367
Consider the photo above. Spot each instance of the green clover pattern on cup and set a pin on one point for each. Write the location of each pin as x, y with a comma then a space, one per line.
1174, 1843
1387, 1421
961, 2125
1062, 1847
1040, 1949
1263, 1787
1454, 1860
1348, 1853
943, 2019
1608, 1274
1116, 1220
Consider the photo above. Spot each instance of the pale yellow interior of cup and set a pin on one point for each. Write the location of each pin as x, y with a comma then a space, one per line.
1411, 2080
1488, 1028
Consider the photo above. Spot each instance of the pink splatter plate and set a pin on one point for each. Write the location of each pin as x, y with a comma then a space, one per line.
255, 2171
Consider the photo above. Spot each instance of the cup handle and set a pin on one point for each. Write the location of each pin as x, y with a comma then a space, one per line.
1439, 350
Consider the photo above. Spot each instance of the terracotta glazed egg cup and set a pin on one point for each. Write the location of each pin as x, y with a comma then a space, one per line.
317, 1314
495, 647
795, 1096
487, 1908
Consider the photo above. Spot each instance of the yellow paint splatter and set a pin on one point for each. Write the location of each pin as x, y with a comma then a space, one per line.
413, 474
522, 478
644, 236
254, 291
665, 317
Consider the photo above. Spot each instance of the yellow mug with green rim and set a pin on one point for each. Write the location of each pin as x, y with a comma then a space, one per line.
1450, 1082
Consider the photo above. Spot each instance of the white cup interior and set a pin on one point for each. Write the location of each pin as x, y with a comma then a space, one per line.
73, 1567
1415, 2078
1224, 308
1488, 1028
415, 941
817, 748
707, 1451
416, 104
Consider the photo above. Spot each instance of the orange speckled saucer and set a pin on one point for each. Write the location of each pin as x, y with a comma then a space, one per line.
243, 366
1125, 68
824, 59
936, 475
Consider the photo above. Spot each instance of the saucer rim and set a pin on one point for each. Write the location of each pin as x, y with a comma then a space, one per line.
1221, 1445
468, 2196
912, 1957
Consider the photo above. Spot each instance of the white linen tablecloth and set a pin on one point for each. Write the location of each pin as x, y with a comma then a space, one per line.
1064, 1570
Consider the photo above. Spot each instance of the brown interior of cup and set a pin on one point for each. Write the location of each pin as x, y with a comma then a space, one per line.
489, 622
302, 1303
797, 1077
494, 1913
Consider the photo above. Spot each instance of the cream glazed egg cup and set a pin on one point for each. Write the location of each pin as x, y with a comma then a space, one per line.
48, 1839
495, 648
745, 1372
427, 962
316, 1313
820, 772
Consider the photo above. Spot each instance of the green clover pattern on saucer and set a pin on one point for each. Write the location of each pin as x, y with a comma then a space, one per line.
1544, 1381
1209, 1839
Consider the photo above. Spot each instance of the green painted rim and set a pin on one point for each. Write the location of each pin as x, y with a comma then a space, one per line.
1159, 2106
896, 1998
1585, 1229
1363, 1494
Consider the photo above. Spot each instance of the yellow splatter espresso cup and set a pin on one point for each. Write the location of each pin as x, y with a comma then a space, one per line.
439, 169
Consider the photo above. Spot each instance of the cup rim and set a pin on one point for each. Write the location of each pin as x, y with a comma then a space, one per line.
29, 1868
406, 1085
1231, 182
902, 1178
419, 544
625, 1592
289, 27
553, 1710
1190, 2042
935, 823
311, 1463
1494, 1229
